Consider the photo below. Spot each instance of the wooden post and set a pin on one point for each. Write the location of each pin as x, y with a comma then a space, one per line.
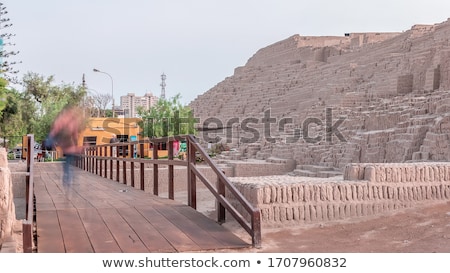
132, 165
27, 189
27, 225
28, 178
155, 169
91, 164
142, 170
91, 159
111, 149
27, 236
106, 162
171, 185
124, 164
101, 161
117, 164
96, 159
192, 191
83, 160
256, 227
220, 208
88, 159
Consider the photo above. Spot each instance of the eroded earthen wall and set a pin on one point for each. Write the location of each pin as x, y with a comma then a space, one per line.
7, 209
367, 189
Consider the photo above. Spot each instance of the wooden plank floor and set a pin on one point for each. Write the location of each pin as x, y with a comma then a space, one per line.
100, 215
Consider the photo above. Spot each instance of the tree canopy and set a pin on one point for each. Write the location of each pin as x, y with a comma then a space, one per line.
168, 117
49, 99
3, 91
33, 110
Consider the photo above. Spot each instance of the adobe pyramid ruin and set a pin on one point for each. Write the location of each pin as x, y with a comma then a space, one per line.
331, 101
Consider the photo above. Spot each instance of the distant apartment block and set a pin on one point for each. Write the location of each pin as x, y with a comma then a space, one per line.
131, 102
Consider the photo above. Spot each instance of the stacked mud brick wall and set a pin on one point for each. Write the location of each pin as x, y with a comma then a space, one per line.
7, 208
365, 190
273, 167
391, 88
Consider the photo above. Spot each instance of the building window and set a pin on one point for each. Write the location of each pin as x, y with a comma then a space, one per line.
121, 150
123, 138
90, 140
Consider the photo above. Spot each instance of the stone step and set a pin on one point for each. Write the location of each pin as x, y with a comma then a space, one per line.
314, 168
326, 174
304, 173
276, 160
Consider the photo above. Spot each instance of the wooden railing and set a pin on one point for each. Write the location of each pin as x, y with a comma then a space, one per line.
100, 159
27, 224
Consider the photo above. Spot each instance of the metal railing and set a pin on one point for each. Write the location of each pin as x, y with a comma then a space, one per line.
100, 159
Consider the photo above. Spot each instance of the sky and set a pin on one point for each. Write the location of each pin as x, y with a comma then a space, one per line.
195, 43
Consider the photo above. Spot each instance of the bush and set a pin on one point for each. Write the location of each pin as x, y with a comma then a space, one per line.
11, 156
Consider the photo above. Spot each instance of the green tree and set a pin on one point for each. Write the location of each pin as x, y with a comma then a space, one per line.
14, 114
167, 118
3, 91
13, 118
49, 99
7, 69
33, 110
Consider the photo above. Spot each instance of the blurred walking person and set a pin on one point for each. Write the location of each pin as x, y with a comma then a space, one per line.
64, 133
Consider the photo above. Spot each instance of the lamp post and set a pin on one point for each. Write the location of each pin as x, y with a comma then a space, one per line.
112, 88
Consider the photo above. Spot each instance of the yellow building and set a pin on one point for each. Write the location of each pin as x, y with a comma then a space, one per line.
100, 130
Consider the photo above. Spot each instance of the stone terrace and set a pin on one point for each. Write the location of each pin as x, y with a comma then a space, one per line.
391, 88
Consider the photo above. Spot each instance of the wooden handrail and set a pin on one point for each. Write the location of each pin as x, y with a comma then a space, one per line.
255, 215
92, 160
27, 224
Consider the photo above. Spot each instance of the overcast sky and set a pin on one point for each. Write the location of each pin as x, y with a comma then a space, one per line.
196, 43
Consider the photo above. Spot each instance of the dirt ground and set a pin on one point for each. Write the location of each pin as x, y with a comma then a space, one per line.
424, 229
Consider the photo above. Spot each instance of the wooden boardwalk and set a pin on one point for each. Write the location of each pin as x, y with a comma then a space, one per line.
100, 215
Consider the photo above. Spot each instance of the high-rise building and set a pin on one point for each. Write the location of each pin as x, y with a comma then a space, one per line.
131, 102
148, 100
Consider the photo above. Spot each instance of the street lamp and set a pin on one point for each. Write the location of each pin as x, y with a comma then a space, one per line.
112, 88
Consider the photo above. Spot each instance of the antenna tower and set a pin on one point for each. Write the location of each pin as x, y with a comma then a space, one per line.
163, 86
